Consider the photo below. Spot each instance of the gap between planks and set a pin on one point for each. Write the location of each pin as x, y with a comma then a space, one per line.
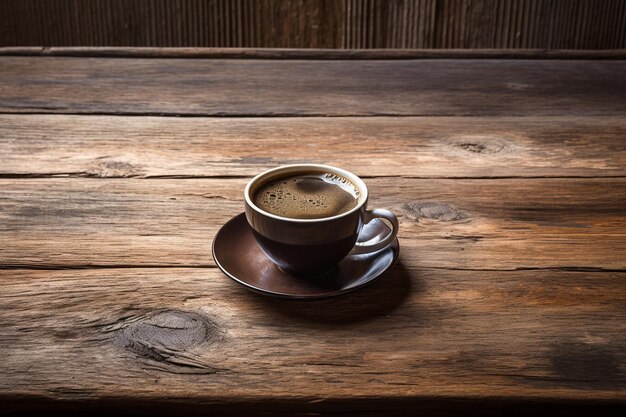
58, 111
88, 175
52, 111
309, 53
60, 267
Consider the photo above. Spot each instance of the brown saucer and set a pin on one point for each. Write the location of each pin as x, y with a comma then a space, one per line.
238, 255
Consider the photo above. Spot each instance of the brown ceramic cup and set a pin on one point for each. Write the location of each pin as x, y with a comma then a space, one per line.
312, 247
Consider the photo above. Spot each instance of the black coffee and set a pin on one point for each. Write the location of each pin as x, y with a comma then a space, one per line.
307, 196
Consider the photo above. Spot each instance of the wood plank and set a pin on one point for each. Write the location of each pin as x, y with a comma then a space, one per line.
261, 23
119, 146
325, 88
173, 339
459, 224
328, 23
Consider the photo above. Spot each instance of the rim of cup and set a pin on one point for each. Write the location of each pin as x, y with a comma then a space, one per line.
294, 168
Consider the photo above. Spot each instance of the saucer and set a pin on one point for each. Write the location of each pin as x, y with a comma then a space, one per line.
238, 255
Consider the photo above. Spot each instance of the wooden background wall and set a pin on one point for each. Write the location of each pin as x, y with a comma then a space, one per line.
549, 24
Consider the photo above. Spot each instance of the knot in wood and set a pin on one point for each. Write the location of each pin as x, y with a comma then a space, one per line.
105, 169
475, 147
482, 144
165, 333
431, 210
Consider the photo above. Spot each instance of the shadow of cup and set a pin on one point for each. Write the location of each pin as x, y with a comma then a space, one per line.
380, 298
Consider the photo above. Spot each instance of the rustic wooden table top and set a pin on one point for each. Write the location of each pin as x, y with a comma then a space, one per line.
508, 177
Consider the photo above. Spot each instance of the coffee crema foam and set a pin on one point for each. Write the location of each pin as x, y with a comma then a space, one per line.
307, 196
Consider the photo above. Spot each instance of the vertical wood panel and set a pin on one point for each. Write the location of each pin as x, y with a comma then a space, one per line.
553, 24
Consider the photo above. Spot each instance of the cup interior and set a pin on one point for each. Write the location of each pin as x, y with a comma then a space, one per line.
255, 183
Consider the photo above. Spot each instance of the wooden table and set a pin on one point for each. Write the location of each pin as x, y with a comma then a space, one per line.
508, 175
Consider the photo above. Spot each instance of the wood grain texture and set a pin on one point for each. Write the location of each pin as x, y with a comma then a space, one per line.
508, 297
194, 338
226, 23
425, 147
503, 224
291, 88
545, 24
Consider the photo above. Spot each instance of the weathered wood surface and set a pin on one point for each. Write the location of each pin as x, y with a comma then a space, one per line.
425, 147
459, 224
552, 24
508, 296
419, 335
331, 88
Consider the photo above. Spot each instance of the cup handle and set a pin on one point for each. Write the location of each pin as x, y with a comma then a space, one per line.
369, 215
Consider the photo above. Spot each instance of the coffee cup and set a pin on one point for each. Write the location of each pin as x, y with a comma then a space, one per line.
307, 217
